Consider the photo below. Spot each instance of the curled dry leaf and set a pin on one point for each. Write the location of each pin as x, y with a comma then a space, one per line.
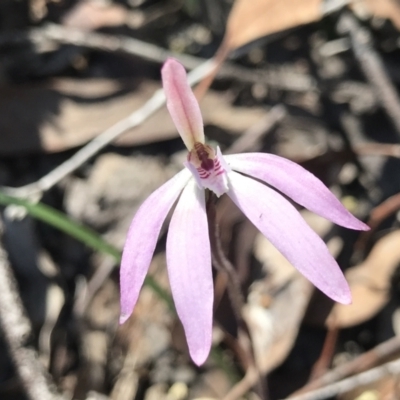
369, 284
250, 20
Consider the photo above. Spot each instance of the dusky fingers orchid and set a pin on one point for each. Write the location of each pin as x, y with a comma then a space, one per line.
188, 243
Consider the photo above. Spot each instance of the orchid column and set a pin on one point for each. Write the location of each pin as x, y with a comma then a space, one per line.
188, 244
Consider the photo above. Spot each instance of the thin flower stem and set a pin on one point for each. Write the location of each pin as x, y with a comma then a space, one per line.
221, 263
36, 189
245, 350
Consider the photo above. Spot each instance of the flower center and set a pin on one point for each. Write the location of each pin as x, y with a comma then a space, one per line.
209, 169
205, 155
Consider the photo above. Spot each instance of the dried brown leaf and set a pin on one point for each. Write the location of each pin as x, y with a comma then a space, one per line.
369, 283
387, 9
276, 306
250, 20
274, 328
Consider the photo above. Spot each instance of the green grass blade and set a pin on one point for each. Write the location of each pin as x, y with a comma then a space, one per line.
80, 232
93, 240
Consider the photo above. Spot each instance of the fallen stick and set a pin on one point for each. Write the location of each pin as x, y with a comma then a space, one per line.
17, 331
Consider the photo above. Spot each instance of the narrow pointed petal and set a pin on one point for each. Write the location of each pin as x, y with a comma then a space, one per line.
142, 239
282, 224
189, 270
182, 104
297, 183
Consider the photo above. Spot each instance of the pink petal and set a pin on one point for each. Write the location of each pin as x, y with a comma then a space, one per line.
282, 224
189, 270
297, 183
142, 239
181, 103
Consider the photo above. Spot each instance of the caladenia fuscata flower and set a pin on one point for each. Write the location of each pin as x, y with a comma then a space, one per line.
188, 244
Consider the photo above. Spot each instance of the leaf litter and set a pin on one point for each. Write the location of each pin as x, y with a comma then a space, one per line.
87, 354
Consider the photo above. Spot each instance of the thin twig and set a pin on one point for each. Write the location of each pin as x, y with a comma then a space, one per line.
325, 358
111, 43
377, 215
361, 363
378, 149
89, 289
365, 378
252, 377
36, 189
372, 66
279, 78
17, 332
248, 141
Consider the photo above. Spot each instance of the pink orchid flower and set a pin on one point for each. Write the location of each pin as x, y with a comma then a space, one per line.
188, 244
